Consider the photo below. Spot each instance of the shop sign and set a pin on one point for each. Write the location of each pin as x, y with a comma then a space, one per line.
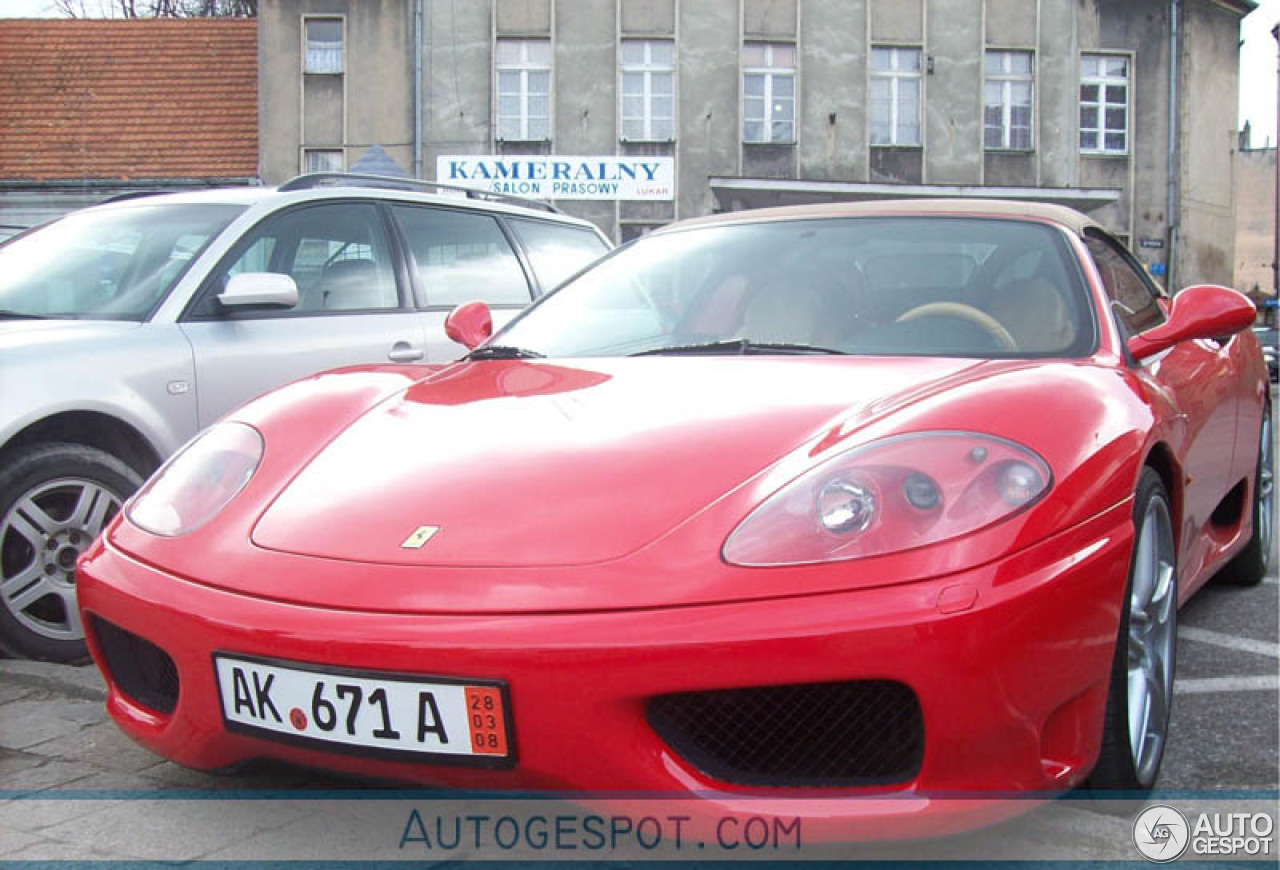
562, 176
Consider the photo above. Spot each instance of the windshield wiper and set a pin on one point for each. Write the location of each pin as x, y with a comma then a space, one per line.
741, 347
504, 351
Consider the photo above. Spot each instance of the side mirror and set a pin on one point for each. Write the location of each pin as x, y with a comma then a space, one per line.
1202, 311
260, 289
469, 324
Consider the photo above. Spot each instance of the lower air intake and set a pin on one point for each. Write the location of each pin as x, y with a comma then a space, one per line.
857, 733
139, 668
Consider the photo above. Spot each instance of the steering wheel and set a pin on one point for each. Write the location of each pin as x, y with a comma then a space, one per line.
968, 313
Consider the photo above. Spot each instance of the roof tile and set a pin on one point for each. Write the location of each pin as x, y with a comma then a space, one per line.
131, 99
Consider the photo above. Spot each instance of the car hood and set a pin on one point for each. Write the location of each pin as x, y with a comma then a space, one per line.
513, 463
15, 334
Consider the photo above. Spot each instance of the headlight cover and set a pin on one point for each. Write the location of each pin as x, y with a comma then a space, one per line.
199, 482
891, 495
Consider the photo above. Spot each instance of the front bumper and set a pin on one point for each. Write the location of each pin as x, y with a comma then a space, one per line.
1009, 663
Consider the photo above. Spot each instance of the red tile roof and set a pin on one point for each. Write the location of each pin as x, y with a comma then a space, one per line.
133, 99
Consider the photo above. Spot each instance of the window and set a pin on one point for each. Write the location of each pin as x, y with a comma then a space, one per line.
648, 92
117, 264
768, 92
322, 160
557, 251
523, 69
461, 257
1007, 103
337, 255
1104, 104
324, 46
1133, 300
895, 96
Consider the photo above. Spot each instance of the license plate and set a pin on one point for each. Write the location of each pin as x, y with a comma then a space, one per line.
452, 720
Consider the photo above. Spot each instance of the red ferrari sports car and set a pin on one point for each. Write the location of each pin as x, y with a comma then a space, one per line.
873, 503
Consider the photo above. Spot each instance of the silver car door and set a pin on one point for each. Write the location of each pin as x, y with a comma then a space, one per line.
460, 256
351, 307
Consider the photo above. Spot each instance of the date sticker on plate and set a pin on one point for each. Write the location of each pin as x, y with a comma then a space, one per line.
484, 715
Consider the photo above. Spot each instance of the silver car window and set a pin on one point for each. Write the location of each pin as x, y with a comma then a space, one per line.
112, 264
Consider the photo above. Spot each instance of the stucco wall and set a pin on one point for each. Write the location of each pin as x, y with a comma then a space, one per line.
1255, 182
1207, 117
369, 104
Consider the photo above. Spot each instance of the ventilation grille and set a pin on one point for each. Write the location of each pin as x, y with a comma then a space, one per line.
139, 668
865, 732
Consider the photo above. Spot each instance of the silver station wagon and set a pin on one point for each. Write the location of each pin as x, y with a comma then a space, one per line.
127, 327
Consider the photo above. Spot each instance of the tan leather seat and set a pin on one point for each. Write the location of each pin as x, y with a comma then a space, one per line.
788, 315
1035, 314
352, 285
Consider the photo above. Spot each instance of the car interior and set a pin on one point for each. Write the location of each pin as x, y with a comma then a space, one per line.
953, 288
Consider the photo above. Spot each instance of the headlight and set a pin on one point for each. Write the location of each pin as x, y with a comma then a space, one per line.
199, 482
891, 495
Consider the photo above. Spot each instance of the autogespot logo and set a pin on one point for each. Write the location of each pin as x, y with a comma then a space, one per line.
1161, 834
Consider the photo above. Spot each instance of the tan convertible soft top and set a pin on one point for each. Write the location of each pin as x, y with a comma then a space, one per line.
1058, 214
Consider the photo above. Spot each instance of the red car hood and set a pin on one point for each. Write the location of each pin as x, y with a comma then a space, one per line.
529, 463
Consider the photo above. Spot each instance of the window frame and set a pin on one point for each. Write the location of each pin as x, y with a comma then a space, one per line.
308, 150
523, 67
525, 251
406, 301
1006, 79
769, 72
1108, 241
647, 70
894, 75
1102, 81
341, 21
413, 269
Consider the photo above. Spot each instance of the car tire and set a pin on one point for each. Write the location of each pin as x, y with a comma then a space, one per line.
1136, 721
54, 500
1250, 565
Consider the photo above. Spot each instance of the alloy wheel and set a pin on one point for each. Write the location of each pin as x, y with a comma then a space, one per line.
41, 537
1152, 629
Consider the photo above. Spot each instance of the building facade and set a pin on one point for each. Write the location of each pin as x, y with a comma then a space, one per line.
749, 103
1255, 221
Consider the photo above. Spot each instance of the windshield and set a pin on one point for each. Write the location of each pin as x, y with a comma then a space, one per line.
902, 286
108, 264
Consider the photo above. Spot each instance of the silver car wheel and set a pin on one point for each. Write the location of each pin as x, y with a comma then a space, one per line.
41, 537
1152, 616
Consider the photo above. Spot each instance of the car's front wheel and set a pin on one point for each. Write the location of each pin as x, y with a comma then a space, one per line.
54, 500
1136, 722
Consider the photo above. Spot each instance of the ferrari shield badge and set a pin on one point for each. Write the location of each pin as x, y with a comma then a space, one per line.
420, 536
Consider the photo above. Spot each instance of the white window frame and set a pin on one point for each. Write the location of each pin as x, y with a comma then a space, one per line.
1006, 78
341, 51
340, 152
648, 70
769, 72
524, 67
1102, 81
895, 75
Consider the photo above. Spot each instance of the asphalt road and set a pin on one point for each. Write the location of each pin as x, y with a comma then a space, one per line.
59, 755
